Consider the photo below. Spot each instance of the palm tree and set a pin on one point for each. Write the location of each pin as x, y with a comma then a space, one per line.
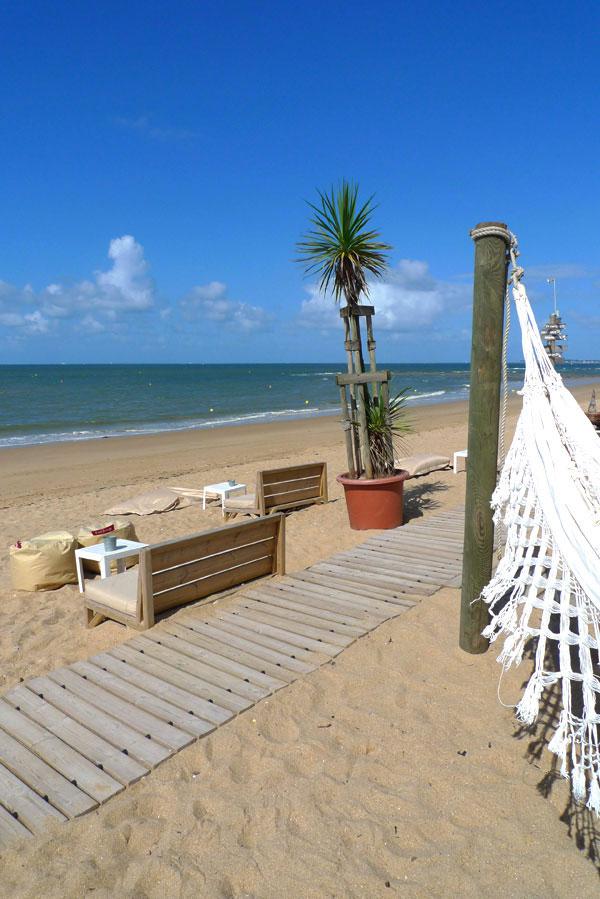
341, 246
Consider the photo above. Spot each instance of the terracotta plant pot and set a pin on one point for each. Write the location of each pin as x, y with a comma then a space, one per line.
374, 504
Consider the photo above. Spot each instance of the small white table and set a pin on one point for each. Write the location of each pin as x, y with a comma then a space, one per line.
224, 489
463, 455
97, 553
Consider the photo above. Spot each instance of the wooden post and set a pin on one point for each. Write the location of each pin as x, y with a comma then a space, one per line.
353, 396
361, 394
348, 429
492, 240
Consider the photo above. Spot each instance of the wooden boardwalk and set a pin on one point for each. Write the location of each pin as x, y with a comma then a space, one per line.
72, 739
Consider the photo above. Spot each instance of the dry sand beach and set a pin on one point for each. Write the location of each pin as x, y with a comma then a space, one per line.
393, 770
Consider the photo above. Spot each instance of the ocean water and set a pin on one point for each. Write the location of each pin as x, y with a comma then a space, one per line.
49, 403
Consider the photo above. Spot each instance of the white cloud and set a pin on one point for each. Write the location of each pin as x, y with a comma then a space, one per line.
408, 299
124, 287
210, 302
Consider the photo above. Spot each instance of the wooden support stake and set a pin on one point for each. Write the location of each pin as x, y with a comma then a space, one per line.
491, 242
371, 346
348, 429
362, 397
353, 398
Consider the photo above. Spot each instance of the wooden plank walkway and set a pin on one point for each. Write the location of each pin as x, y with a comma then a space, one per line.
74, 738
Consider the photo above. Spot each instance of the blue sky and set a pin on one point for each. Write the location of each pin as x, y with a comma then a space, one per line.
156, 158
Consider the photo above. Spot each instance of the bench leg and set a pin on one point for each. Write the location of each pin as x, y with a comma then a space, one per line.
93, 619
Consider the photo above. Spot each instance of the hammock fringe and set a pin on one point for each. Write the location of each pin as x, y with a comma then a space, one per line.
545, 592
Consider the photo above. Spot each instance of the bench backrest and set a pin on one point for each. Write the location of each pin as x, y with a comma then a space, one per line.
190, 568
285, 488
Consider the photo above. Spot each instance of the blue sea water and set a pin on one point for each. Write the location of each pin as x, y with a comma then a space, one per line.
49, 403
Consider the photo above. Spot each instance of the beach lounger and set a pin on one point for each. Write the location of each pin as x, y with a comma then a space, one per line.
177, 572
278, 489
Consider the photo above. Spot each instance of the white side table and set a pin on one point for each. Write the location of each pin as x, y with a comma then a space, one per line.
224, 489
460, 466
97, 553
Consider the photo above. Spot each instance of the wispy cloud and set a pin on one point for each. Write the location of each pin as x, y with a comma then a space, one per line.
210, 302
409, 299
144, 126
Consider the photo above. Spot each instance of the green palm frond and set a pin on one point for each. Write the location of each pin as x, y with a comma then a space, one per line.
387, 428
341, 246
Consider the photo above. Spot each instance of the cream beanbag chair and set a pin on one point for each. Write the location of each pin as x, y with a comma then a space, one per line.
119, 527
44, 563
422, 463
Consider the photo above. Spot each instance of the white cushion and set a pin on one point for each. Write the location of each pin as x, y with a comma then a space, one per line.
118, 592
245, 501
422, 463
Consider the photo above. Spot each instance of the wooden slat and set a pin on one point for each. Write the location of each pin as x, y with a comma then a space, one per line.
182, 700
148, 725
368, 377
290, 495
230, 682
196, 569
320, 633
302, 600
424, 546
143, 699
366, 562
402, 562
204, 705
433, 544
345, 573
264, 624
98, 751
378, 600
10, 829
212, 653
279, 641
295, 611
330, 587
213, 583
60, 756
292, 484
173, 552
20, 800
323, 606
416, 558
39, 776
149, 752
291, 473
206, 688
282, 664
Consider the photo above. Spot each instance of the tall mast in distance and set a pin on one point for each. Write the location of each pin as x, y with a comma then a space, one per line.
554, 332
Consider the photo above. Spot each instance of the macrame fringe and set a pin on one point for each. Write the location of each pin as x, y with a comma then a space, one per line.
546, 589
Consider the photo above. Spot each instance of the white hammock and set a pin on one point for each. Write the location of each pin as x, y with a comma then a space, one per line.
547, 584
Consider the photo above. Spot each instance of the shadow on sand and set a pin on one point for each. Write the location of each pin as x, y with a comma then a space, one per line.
582, 825
420, 498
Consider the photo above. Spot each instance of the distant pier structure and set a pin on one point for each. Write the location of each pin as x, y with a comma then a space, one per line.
554, 332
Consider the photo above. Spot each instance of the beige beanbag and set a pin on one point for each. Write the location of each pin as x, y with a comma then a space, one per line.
122, 528
44, 563
422, 463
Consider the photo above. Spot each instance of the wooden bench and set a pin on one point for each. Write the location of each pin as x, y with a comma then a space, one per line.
278, 489
177, 572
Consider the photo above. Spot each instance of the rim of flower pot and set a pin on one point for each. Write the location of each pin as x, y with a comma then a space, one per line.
400, 475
